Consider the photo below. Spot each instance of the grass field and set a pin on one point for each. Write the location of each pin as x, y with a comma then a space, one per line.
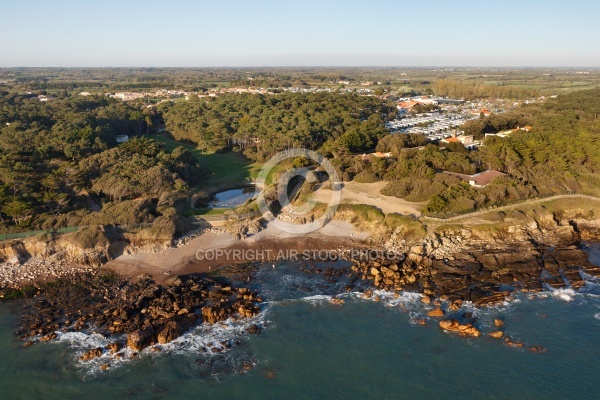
207, 211
22, 235
227, 169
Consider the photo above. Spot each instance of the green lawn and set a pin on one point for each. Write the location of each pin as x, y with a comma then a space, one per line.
208, 211
227, 169
22, 235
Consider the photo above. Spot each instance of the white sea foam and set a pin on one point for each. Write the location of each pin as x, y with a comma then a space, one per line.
205, 340
294, 286
83, 340
214, 341
317, 299
564, 294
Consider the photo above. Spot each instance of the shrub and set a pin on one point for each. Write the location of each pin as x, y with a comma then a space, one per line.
366, 177
89, 237
394, 220
364, 212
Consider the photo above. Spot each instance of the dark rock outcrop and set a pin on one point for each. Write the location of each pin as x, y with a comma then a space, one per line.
146, 312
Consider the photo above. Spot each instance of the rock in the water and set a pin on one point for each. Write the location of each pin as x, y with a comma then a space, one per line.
449, 324
253, 329
168, 332
90, 355
141, 338
510, 343
336, 301
498, 322
497, 334
48, 337
537, 349
462, 329
436, 313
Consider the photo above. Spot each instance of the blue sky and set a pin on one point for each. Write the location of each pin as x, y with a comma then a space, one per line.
307, 33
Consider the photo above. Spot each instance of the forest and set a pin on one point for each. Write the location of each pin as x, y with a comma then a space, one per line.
265, 124
60, 158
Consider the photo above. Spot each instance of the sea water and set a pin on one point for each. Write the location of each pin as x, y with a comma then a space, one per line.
312, 349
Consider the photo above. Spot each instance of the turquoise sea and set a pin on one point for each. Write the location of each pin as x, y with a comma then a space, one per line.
311, 349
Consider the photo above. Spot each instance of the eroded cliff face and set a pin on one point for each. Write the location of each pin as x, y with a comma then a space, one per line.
540, 227
26, 260
485, 263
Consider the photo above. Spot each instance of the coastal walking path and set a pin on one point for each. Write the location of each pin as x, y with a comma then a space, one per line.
505, 208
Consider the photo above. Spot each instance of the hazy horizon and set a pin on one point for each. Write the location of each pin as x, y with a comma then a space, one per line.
309, 34
315, 66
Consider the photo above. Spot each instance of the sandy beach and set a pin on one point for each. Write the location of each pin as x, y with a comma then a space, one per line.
268, 242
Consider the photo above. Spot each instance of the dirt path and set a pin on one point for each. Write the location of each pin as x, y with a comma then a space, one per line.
464, 217
370, 194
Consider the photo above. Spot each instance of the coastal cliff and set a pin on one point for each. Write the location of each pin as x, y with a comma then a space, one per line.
486, 262
526, 249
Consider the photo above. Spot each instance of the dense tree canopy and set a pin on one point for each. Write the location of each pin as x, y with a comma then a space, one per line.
60, 158
265, 124
54, 154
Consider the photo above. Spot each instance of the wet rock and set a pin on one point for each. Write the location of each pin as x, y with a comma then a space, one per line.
462, 329
510, 343
114, 347
246, 366
147, 313
214, 314
496, 334
253, 329
436, 313
48, 337
168, 332
91, 354
140, 339
537, 349
498, 322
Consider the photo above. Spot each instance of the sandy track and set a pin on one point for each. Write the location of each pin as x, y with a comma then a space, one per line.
370, 194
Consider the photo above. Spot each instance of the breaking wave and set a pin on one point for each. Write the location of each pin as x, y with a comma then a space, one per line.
215, 346
218, 350
564, 294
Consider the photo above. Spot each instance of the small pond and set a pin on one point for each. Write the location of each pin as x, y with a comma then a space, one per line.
232, 198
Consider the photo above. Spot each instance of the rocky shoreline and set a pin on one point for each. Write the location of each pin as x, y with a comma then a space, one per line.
144, 312
451, 267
